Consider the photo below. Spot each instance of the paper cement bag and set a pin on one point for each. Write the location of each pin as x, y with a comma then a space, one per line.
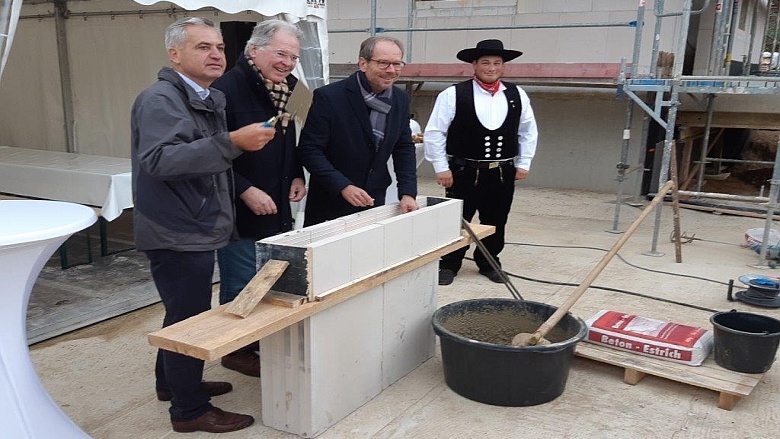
653, 338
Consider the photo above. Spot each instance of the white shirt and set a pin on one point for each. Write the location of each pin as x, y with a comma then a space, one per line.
491, 111
202, 92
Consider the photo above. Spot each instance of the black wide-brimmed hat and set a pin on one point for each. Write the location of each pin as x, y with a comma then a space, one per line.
488, 47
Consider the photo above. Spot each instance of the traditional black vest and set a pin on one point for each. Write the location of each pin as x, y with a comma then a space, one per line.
468, 138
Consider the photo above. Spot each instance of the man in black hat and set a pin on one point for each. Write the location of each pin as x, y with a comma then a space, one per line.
480, 139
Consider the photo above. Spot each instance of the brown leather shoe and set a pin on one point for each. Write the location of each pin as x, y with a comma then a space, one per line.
213, 388
215, 420
246, 362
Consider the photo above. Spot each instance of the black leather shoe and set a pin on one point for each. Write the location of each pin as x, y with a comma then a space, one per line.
213, 388
214, 421
493, 275
446, 276
246, 362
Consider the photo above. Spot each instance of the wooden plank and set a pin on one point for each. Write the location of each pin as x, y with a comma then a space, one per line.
731, 385
214, 333
258, 287
722, 211
725, 119
284, 299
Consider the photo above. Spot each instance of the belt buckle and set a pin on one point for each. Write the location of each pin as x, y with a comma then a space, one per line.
492, 165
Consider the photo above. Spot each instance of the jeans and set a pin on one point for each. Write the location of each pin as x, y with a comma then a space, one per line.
237, 266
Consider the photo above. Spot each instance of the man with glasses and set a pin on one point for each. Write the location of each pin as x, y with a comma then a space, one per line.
265, 181
353, 128
480, 139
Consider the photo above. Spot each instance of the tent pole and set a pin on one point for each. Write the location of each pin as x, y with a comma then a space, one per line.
61, 7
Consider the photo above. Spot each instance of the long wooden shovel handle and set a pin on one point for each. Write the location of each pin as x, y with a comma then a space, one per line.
563, 309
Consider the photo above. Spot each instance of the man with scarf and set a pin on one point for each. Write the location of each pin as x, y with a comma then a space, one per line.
265, 181
354, 126
480, 139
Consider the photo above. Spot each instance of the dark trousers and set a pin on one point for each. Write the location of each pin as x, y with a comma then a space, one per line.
183, 280
489, 192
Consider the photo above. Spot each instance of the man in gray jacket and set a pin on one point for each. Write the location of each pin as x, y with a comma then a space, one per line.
182, 190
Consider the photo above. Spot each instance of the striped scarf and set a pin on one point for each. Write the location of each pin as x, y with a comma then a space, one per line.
379, 104
280, 95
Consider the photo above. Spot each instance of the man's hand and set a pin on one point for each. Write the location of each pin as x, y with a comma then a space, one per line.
444, 179
408, 204
297, 189
356, 196
520, 174
258, 201
252, 137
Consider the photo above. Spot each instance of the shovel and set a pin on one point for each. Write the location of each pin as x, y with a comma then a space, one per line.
526, 339
491, 260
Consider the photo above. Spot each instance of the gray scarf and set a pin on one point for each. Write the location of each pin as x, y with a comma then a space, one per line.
379, 104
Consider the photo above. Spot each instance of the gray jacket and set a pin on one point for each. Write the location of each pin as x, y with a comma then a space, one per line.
181, 156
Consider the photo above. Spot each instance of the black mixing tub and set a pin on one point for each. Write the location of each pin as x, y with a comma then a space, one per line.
481, 364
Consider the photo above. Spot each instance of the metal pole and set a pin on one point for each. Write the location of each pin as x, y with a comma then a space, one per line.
734, 16
622, 166
774, 40
774, 190
705, 141
372, 30
751, 40
410, 24
672, 117
512, 27
656, 41
717, 41
61, 11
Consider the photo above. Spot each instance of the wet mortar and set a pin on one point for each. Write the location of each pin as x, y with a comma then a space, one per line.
498, 325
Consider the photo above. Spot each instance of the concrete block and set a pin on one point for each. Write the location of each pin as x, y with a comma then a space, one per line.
368, 251
398, 239
330, 262
407, 335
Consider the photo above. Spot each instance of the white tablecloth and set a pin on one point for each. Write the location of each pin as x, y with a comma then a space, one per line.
92, 180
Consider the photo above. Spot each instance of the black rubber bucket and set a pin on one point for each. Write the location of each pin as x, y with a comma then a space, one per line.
481, 364
745, 342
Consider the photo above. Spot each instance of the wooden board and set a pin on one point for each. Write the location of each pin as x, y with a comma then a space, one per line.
730, 385
215, 333
258, 287
284, 299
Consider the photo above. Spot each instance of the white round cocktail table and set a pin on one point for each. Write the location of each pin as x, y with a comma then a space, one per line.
30, 232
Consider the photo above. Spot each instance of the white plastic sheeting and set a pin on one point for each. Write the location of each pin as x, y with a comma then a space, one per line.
297, 8
313, 68
112, 58
9, 16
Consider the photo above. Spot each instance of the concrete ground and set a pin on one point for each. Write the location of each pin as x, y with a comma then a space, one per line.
101, 375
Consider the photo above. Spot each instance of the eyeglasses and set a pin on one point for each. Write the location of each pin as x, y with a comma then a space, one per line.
398, 65
282, 54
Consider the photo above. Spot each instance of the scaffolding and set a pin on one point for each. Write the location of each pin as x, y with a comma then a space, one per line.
660, 100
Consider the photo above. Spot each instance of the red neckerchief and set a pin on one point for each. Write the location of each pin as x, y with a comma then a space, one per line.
490, 88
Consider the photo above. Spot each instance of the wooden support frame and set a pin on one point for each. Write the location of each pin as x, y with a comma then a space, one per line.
215, 333
731, 386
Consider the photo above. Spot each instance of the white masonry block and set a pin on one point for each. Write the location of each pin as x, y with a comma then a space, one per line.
321, 369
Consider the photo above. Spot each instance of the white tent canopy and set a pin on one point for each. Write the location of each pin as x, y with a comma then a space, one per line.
299, 8
9, 15
71, 76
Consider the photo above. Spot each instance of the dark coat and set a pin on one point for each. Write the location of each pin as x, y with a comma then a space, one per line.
337, 147
270, 169
181, 156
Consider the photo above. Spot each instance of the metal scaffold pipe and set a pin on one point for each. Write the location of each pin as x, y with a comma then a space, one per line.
672, 116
